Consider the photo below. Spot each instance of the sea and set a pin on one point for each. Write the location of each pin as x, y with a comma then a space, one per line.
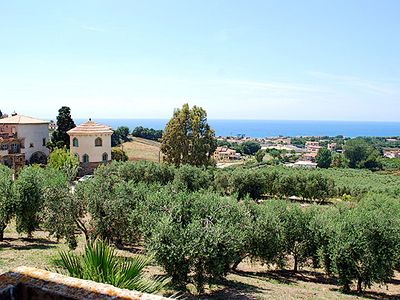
273, 128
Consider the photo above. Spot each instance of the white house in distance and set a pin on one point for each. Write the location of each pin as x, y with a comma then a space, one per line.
33, 133
91, 142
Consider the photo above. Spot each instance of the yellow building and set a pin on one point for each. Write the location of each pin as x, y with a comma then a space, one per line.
91, 142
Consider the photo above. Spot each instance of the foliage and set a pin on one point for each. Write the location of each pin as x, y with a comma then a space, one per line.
339, 160
63, 160
391, 163
193, 233
60, 137
147, 133
324, 158
143, 171
246, 183
361, 155
250, 147
29, 198
58, 213
260, 155
109, 202
100, 263
7, 198
187, 138
366, 242
118, 154
192, 178
119, 136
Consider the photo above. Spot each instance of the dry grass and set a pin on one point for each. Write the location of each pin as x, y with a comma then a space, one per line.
142, 149
251, 281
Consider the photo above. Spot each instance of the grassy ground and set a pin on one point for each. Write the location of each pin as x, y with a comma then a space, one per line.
142, 149
251, 281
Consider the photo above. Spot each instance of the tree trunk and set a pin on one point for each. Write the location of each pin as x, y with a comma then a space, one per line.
346, 288
296, 267
359, 285
1, 233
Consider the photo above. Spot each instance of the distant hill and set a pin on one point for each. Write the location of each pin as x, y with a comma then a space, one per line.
142, 149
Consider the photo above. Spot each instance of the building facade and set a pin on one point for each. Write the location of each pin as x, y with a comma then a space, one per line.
91, 143
25, 138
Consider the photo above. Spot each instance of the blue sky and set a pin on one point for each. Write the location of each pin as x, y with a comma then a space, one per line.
298, 60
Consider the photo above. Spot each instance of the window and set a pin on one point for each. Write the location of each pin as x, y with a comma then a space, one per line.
31, 145
98, 142
44, 142
85, 158
4, 147
75, 142
105, 157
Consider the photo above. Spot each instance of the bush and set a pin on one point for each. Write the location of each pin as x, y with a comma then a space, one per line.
117, 154
100, 263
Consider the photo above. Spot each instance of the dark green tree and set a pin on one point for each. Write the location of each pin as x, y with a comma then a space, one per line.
324, 158
147, 133
60, 137
187, 138
361, 154
250, 147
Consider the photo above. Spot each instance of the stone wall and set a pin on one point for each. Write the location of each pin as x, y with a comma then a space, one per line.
27, 283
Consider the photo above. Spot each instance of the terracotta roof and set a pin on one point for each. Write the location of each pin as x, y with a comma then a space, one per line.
90, 127
20, 119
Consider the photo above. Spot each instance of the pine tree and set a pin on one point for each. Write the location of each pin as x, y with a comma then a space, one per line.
60, 137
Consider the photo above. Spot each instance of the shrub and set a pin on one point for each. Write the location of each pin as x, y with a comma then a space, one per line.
100, 263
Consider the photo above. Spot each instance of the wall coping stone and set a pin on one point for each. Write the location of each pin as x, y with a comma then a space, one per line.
61, 285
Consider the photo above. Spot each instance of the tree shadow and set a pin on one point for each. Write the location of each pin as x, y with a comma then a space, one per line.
290, 277
371, 294
231, 290
28, 244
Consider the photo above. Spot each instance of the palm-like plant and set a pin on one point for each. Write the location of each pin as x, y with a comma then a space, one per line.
100, 263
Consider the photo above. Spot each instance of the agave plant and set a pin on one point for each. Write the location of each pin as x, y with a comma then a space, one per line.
100, 263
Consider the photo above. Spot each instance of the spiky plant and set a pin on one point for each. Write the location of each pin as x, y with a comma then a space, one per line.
100, 263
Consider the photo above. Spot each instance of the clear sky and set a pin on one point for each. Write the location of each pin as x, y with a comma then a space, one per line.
299, 60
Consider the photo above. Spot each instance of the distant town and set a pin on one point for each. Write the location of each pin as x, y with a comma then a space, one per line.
26, 140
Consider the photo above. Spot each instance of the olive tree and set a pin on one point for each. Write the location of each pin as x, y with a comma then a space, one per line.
29, 199
58, 213
196, 234
366, 245
7, 198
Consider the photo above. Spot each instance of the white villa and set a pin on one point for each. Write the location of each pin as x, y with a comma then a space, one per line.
91, 142
33, 135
